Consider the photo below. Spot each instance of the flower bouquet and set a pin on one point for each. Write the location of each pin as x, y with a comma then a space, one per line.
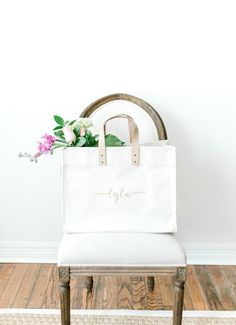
74, 133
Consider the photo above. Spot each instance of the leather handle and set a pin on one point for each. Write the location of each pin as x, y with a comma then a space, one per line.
134, 136
129, 123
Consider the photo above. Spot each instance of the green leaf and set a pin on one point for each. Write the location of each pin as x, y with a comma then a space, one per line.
59, 120
89, 133
61, 145
113, 141
80, 142
59, 127
58, 138
61, 142
76, 132
72, 122
91, 140
59, 133
57, 146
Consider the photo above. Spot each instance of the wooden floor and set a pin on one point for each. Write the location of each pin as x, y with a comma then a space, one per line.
35, 286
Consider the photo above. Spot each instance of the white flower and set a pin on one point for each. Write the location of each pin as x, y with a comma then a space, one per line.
83, 122
68, 133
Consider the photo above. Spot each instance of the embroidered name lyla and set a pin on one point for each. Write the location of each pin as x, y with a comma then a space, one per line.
117, 195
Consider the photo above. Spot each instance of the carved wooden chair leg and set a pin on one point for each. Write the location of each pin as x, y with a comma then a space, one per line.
150, 283
64, 285
179, 295
89, 284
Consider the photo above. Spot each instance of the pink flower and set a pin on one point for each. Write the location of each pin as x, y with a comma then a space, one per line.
68, 133
46, 145
82, 132
36, 155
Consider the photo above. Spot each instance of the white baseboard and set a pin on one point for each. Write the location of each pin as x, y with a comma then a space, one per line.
211, 253
46, 252
28, 251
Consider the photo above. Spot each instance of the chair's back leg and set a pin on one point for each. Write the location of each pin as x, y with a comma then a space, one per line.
64, 285
89, 284
150, 283
179, 295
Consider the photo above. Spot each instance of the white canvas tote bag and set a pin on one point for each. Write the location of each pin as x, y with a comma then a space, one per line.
120, 189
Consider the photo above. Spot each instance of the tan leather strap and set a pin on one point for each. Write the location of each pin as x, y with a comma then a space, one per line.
129, 124
134, 136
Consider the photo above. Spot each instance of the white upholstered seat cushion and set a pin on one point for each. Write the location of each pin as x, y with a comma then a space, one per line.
120, 249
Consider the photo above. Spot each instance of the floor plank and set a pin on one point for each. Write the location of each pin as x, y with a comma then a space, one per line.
218, 278
36, 286
195, 291
167, 293
97, 297
208, 287
80, 299
75, 292
154, 299
26, 286
51, 297
188, 304
38, 293
124, 297
5, 274
13, 285
110, 293
139, 293
229, 275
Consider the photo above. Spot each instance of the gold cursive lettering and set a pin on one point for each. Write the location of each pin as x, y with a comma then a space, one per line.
117, 195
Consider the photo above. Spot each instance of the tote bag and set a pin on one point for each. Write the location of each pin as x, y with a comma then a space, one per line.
120, 189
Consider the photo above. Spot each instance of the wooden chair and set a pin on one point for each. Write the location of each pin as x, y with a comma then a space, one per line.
132, 254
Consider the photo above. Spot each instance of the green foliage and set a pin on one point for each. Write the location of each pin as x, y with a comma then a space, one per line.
59, 134
91, 140
59, 120
113, 141
76, 132
68, 134
59, 127
80, 142
88, 140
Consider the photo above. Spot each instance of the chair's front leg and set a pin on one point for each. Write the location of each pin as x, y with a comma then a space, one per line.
64, 285
179, 295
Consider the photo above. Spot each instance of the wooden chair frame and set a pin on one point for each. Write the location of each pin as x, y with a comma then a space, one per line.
66, 272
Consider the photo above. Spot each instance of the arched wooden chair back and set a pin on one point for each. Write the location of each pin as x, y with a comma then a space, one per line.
149, 121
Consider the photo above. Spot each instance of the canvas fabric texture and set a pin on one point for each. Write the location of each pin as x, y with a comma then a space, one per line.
120, 197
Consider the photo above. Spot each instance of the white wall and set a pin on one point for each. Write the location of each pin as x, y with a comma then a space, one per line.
58, 56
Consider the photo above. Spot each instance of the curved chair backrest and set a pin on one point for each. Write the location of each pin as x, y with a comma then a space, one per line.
147, 117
